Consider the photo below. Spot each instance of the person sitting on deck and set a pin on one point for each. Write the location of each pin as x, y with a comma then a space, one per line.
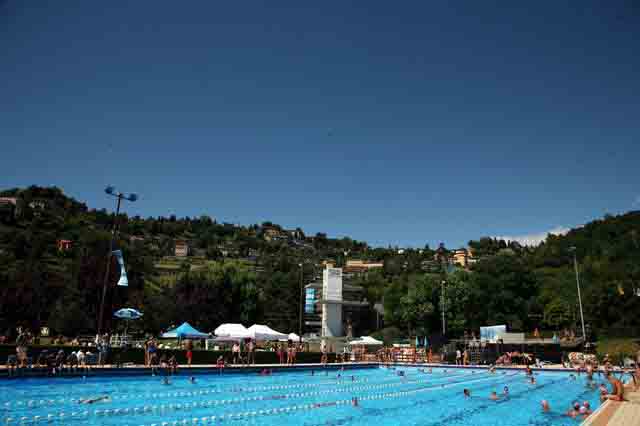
617, 393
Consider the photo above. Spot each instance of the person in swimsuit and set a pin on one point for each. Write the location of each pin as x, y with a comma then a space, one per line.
574, 411
92, 400
545, 406
617, 393
466, 393
494, 396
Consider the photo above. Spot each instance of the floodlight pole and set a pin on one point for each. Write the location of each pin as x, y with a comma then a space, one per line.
575, 265
301, 302
444, 327
120, 196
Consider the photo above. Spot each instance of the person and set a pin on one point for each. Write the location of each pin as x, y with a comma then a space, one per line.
294, 353
458, 357
505, 391
152, 349
585, 410
465, 357
235, 350
467, 393
536, 333
280, 353
189, 347
173, 364
492, 369
574, 411
532, 380
617, 393
354, 402
323, 349
220, 362
146, 350
635, 376
528, 371
165, 380
545, 406
494, 396
92, 400
430, 356
192, 380
251, 348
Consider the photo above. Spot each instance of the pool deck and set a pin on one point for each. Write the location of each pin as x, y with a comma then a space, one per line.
613, 413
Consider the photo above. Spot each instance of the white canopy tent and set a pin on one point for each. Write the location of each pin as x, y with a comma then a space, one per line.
366, 341
263, 332
293, 337
232, 331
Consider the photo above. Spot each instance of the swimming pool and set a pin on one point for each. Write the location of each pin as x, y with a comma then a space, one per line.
298, 398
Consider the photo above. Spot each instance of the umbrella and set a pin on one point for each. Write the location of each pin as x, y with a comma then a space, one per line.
127, 314
366, 341
263, 332
184, 331
236, 331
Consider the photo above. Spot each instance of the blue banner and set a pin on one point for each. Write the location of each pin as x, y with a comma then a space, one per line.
123, 281
310, 301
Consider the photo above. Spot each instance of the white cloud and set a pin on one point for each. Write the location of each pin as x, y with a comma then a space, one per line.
535, 239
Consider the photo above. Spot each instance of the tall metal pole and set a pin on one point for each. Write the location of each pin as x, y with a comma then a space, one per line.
444, 327
575, 264
108, 268
301, 301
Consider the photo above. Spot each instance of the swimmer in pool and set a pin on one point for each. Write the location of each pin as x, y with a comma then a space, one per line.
545, 406
574, 411
165, 381
92, 400
533, 380
505, 391
467, 393
494, 396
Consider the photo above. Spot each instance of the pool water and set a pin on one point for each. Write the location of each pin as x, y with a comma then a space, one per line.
298, 398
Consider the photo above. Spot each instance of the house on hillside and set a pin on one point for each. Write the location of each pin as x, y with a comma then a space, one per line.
9, 207
64, 245
182, 248
272, 233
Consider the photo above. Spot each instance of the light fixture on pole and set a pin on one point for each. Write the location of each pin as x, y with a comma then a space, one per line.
572, 249
110, 190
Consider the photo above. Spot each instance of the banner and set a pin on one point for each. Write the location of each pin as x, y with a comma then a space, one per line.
491, 333
310, 301
123, 281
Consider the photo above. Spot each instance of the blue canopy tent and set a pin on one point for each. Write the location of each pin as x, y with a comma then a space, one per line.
185, 331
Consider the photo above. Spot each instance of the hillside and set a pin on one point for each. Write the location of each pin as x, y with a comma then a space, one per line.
226, 272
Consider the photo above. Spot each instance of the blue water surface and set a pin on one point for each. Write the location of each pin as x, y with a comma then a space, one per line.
384, 398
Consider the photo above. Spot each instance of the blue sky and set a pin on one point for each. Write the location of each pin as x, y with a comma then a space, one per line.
390, 122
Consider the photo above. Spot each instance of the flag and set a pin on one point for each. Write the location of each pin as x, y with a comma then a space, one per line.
123, 281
